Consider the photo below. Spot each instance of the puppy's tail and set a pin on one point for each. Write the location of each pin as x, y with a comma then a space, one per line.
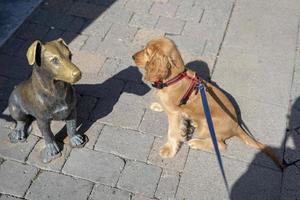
248, 140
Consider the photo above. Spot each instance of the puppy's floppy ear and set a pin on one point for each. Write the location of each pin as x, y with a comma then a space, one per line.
158, 67
34, 53
175, 58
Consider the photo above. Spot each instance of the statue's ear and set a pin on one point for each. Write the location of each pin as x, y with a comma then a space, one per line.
62, 41
34, 53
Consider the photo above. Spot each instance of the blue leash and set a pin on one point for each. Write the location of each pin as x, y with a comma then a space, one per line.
212, 132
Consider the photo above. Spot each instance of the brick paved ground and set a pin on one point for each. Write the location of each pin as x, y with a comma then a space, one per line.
251, 49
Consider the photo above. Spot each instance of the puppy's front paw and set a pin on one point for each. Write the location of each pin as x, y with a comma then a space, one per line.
167, 151
78, 141
17, 136
156, 107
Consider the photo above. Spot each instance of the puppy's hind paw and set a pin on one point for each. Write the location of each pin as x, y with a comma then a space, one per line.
156, 107
167, 151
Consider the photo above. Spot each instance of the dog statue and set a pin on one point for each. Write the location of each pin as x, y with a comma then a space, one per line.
47, 95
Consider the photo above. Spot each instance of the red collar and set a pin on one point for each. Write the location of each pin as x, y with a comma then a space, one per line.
195, 81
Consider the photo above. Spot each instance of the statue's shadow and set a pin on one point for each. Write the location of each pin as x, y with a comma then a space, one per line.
96, 101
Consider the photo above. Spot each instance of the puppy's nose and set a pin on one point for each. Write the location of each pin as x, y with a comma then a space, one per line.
75, 73
133, 57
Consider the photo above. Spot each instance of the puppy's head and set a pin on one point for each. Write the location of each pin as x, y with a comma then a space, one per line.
159, 58
55, 58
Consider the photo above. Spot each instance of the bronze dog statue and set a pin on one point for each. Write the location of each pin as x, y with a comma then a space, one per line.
47, 95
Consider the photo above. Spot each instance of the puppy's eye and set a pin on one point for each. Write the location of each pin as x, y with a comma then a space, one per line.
55, 61
70, 56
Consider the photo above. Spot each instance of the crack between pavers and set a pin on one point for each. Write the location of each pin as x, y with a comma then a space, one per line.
223, 38
201, 17
32, 180
157, 184
93, 187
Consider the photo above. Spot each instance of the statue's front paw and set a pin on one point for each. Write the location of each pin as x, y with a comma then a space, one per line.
50, 152
17, 136
78, 141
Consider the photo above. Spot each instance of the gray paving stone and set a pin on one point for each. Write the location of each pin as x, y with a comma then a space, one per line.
139, 197
13, 14
176, 163
139, 6
74, 41
97, 28
290, 185
53, 34
126, 143
49, 185
7, 197
189, 12
154, 123
93, 133
143, 20
108, 193
202, 177
168, 184
122, 114
256, 52
108, 48
32, 31
139, 178
18, 151
170, 25
98, 167
91, 44
56, 165
164, 9
145, 35
90, 11
117, 15
105, 89
193, 47
139, 93
121, 33
88, 62
56, 127
16, 178
11, 46
14, 68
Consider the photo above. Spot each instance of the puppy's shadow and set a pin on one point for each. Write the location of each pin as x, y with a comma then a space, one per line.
96, 101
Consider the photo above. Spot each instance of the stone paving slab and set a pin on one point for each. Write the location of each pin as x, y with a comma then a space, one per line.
56, 165
7, 197
140, 178
49, 185
154, 123
175, 163
108, 193
168, 184
202, 176
290, 185
15, 151
13, 14
16, 178
95, 166
125, 143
